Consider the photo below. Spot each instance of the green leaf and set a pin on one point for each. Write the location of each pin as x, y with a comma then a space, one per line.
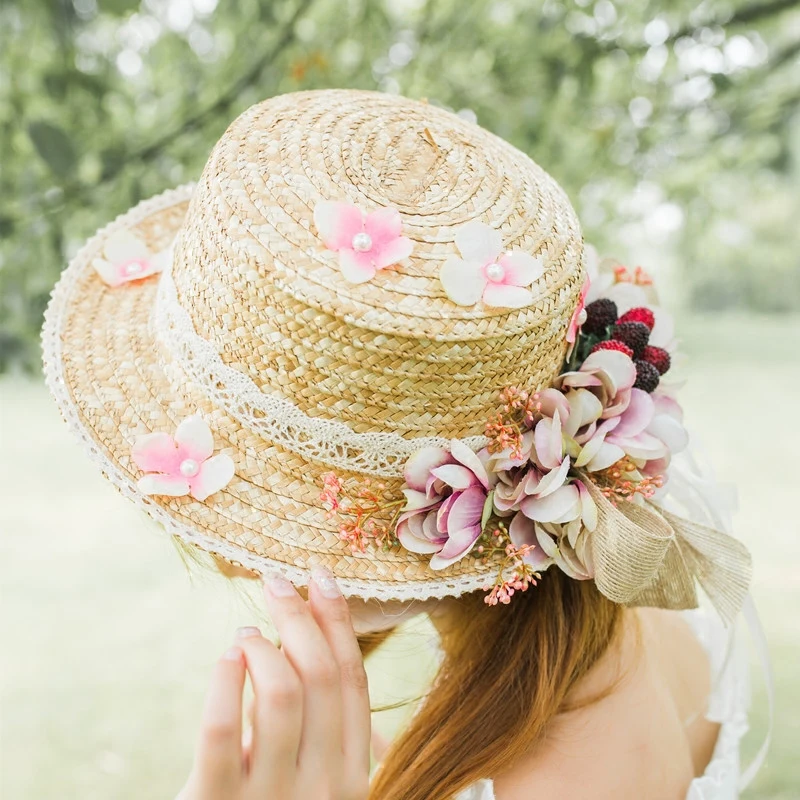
488, 507
54, 146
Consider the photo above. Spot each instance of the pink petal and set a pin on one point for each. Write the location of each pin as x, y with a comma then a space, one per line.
584, 407
617, 366
477, 241
606, 456
470, 460
215, 474
667, 405
637, 416
194, 438
553, 479
457, 546
397, 250
467, 509
463, 281
410, 532
553, 507
443, 513
500, 295
643, 446
521, 269
588, 507
554, 402
456, 476
156, 452
670, 431
173, 486
356, 267
416, 501
420, 464
521, 530
337, 223
383, 226
547, 439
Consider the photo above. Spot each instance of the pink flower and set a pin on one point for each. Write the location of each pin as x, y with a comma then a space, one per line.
127, 258
446, 496
578, 315
485, 272
365, 242
609, 375
183, 465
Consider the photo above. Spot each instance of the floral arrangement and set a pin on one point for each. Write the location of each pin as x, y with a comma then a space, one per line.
526, 501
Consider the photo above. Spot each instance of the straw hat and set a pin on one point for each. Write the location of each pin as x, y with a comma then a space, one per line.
251, 326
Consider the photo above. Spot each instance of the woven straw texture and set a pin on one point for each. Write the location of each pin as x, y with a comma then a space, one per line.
391, 355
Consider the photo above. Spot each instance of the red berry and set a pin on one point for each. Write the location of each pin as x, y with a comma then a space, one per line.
613, 344
658, 357
640, 314
647, 376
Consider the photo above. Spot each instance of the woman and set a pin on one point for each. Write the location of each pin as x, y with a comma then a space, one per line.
295, 367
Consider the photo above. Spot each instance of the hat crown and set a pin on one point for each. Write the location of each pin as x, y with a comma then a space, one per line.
393, 354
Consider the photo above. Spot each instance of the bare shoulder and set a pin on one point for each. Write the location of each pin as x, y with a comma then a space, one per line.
646, 739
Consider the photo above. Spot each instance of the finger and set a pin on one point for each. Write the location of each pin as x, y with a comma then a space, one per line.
308, 652
218, 760
277, 714
332, 614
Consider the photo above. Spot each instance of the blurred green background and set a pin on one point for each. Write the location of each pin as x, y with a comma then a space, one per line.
673, 126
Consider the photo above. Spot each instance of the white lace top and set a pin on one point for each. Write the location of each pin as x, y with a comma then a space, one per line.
728, 706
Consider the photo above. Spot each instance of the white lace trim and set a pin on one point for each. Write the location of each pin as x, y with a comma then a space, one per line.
55, 381
275, 418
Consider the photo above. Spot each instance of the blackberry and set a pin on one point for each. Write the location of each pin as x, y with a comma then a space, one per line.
658, 357
647, 376
633, 334
600, 316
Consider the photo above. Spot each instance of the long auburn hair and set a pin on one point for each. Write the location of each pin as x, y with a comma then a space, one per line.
507, 672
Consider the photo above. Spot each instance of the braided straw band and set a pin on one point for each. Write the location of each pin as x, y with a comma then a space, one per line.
276, 419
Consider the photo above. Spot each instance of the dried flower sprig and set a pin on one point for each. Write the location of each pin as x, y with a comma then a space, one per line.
359, 514
497, 541
623, 482
639, 277
506, 429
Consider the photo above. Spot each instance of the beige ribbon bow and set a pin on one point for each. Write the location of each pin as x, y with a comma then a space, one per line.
646, 556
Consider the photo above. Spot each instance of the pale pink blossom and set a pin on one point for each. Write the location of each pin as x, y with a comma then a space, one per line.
365, 242
485, 272
447, 494
127, 258
609, 375
184, 464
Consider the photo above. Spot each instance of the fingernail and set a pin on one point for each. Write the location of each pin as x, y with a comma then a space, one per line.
326, 582
279, 586
247, 632
234, 654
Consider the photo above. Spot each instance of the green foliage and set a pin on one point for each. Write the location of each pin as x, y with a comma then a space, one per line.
673, 127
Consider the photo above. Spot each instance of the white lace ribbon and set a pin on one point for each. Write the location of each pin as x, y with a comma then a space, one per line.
272, 416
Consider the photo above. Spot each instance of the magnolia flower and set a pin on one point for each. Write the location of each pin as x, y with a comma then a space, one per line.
564, 544
183, 465
609, 375
365, 242
127, 258
447, 494
485, 272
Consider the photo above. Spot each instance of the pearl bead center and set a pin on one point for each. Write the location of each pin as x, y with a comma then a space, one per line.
495, 272
189, 468
133, 268
362, 242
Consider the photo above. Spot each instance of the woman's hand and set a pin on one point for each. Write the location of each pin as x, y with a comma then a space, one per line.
310, 715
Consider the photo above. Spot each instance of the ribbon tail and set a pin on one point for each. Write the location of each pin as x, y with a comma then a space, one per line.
720, 563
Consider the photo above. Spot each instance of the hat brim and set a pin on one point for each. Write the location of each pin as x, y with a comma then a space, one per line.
106, 371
